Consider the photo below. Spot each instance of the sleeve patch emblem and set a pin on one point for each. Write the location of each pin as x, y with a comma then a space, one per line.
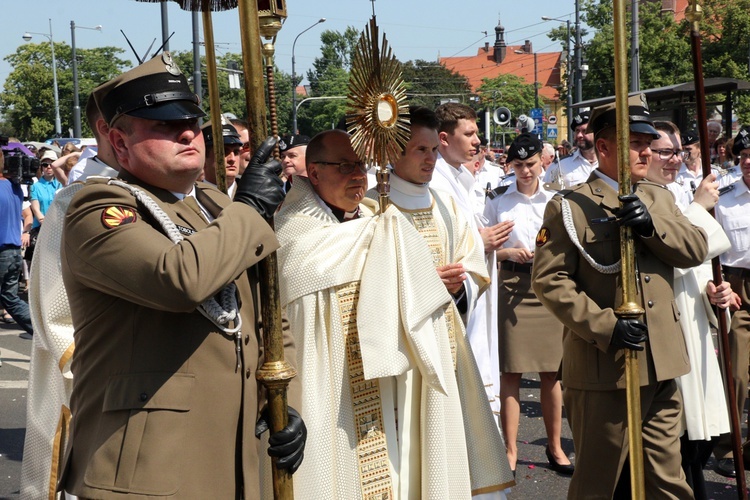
113, 217
542, 237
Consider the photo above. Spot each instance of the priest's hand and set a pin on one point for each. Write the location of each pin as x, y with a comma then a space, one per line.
260, 185
453, 276
493, 237
707, 193
723, 296
287, 445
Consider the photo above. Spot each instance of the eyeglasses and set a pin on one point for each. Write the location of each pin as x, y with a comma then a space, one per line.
345, 167
245, 146
667, 154
744, 156
45, 165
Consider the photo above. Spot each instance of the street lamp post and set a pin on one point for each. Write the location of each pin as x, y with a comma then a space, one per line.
294, 76
27, 38
578, 74
76, 104
569, 97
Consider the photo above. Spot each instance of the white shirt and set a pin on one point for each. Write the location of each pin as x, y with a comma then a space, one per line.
526, 211
733, 213
574, 169
489, 174
459, 183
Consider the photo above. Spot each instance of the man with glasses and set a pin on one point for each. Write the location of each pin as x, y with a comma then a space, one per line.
576, 275
705, 408
577, 167
379, 346
733, 213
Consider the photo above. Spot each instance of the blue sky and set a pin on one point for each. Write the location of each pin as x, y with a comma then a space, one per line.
422, 29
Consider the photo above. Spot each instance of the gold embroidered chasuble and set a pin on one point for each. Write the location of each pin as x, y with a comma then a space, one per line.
386, 409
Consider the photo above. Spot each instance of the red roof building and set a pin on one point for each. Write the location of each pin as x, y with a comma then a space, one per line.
502, 59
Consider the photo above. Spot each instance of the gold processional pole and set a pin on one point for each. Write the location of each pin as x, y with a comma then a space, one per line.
217, 129
378, 118
258, 19
629, 308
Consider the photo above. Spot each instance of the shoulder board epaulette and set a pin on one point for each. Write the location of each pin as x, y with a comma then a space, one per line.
552, 186
728, 188
497, 192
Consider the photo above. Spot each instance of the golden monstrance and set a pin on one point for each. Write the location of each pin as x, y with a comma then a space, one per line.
378, 115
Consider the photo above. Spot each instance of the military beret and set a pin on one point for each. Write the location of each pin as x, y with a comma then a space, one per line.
155, 90
689, 137
524, 146
579, 120
605, 116
742, 141
292, 141
228, 132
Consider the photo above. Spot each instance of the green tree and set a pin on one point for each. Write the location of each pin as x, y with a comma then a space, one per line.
508, 90
27, 99
663, 44
726, 36
427, 82
329, 78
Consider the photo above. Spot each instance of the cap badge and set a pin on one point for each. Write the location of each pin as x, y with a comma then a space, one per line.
170, 65
282, 144
522, 153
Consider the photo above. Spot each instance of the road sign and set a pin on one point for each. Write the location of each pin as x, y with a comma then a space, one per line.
537, 114
551, 131
552, 119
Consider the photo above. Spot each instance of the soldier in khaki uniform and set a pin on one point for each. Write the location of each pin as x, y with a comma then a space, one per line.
165, 401
575, 276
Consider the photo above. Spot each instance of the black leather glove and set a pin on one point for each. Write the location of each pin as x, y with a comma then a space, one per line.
260, 185
634, 214
629, 334
288, 445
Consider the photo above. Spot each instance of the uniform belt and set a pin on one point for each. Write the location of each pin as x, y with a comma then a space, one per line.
737, 271
509, 265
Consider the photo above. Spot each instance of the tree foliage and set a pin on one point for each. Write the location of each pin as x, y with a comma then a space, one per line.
663, 45
665, 57
428, 82
27, 99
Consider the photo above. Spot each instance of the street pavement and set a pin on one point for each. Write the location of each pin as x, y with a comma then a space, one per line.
534, 479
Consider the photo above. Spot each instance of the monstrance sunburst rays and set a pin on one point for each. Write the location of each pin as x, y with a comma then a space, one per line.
201, 5
378, 114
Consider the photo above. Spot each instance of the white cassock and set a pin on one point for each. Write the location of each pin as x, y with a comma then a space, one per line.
50, 379
481, 322
393, 403
705, 408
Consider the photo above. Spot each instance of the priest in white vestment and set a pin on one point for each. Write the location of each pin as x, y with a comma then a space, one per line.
458, 145
392, 397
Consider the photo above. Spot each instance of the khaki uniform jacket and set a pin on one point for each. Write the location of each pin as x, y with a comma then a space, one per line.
584, 299
160, 407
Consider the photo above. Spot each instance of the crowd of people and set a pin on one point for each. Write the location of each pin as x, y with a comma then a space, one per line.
410, 328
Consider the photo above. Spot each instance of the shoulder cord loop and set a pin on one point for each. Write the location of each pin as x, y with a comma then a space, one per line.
571, 229
218, 314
